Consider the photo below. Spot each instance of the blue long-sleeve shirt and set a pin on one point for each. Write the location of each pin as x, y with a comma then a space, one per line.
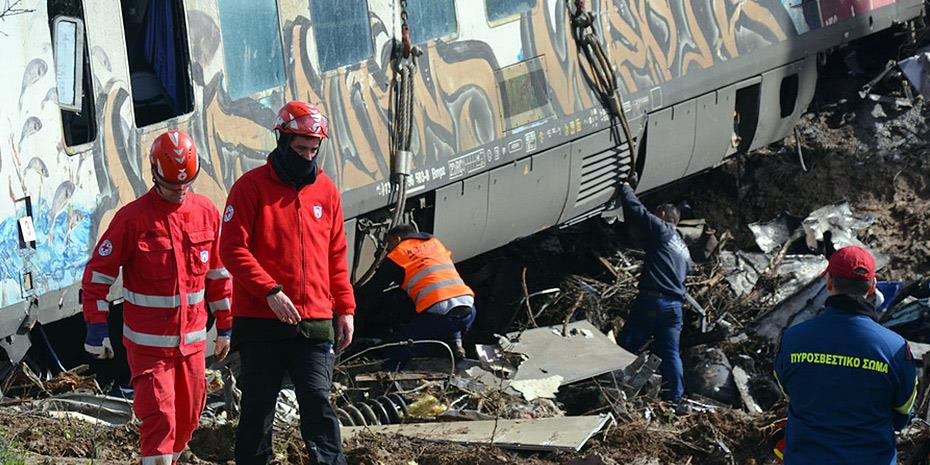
667, 258
850, 383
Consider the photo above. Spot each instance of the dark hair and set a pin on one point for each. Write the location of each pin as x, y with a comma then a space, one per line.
854, 287
399, 231
672, 215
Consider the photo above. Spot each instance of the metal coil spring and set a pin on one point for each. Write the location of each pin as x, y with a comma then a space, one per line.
384, 410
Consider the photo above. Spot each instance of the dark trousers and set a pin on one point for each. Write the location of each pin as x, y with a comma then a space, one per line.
660, 318
428, 326
310, 367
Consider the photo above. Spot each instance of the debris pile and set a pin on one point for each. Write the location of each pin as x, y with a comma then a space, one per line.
549, 384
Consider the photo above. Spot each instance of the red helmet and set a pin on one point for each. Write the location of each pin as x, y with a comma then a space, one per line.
302, 119
174, 158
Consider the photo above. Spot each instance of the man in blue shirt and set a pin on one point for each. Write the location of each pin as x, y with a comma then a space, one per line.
850, 382
656, 312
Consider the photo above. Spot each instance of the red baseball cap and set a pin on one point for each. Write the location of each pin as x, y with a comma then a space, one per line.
853, 263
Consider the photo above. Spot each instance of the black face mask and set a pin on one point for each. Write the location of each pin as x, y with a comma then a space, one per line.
291, 166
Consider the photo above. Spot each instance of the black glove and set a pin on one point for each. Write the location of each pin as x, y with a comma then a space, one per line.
632, 179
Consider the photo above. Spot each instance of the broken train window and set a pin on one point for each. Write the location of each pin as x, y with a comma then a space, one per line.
72, 70
342, 32
159, 61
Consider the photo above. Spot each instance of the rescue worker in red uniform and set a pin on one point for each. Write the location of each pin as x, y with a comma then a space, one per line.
166, 243
444, 304
284, 244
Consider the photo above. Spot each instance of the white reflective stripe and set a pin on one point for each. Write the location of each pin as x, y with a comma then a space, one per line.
158, 459
100, 278
161, 301
155, 301
195, 336
156, 340
195, 297
432, 287
151, 340
103, 306
217, 273
176, 455
422, 273
218, 305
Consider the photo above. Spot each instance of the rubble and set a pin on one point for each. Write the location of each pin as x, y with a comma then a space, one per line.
557, 372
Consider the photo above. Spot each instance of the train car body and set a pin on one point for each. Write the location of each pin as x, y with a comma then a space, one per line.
509, 137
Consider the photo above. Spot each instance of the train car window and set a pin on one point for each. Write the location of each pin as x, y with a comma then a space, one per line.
431, 19
72, 71
342, 32
501, 9
159, 60
252, 45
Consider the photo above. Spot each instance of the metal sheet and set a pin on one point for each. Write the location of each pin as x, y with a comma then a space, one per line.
542, 434
584, 354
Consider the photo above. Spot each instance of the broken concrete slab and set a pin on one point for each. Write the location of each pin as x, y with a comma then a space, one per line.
542, 434
584, 353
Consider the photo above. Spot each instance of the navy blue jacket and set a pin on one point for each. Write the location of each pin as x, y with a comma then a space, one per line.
850, 383
667, 257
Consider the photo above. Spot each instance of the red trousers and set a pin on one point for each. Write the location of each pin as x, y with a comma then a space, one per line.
170, 393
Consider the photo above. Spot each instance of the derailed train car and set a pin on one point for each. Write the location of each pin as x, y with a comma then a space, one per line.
481, 120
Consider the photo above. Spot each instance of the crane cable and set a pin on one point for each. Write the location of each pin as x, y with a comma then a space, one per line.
404, 65
605, 82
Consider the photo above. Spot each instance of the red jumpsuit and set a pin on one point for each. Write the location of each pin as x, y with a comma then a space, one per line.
171, 275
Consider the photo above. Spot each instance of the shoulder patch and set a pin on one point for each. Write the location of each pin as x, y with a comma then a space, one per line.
106, 248
228, 213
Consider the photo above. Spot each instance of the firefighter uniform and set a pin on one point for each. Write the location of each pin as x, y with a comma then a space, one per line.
172, 274
850, 382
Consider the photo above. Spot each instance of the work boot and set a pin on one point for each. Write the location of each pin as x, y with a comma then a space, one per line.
681, 408
458, 350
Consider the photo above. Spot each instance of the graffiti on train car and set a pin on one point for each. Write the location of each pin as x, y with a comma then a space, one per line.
462, 123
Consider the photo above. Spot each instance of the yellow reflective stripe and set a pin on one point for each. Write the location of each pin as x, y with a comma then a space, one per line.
909, 405
782, 388
779, 454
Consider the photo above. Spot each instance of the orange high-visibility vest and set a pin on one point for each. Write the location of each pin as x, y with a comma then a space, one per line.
429, 274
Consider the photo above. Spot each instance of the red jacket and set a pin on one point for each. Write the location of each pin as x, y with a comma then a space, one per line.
275, 234
167, 251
